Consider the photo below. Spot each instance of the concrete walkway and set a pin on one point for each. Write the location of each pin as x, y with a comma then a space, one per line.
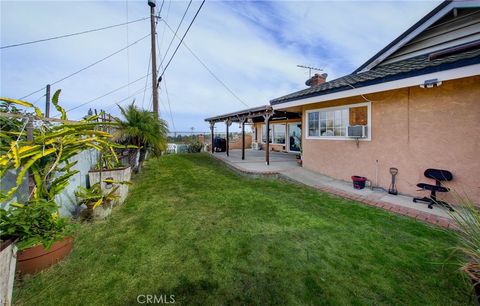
285, 165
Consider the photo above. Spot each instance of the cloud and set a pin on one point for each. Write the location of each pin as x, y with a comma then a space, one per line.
253, 47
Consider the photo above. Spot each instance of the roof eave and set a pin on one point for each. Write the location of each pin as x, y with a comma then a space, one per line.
470, 66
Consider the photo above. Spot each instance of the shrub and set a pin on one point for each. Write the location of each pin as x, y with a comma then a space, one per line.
194, 147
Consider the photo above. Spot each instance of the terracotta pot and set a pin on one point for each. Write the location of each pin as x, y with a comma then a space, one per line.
37, 258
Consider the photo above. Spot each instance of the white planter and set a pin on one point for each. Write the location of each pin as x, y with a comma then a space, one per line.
8, 262
117, 175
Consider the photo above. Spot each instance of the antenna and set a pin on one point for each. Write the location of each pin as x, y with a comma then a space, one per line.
309, 69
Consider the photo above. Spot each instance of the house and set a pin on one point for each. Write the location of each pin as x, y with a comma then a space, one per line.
414, 105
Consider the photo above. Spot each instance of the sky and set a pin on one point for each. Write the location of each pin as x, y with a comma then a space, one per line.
253, 47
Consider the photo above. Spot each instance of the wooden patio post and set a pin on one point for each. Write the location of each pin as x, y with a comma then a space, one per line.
228, 123
212, 125
243, 138
267, 117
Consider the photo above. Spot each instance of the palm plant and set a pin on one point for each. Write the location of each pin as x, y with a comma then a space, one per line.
143, 129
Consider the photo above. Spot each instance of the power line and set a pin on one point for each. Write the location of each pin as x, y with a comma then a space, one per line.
208, 69
72, 34
183, 37
146, 80
89, 66
168, 100
128, 52
176, 31
164, 81
108, 107
108, 93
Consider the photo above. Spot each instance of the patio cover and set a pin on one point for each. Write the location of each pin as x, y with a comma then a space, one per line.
263, 113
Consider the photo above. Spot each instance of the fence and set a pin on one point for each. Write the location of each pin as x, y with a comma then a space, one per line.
86, 161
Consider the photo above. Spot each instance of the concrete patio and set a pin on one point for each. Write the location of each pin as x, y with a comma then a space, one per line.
285, 165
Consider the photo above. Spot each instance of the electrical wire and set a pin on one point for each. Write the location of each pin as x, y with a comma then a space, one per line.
72, 34
176, 31
128, 52
106, 94
146, 80
164, 81
183, 37
208, 69
168, 100
89, 66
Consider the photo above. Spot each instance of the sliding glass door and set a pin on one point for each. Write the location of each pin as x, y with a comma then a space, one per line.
294, 137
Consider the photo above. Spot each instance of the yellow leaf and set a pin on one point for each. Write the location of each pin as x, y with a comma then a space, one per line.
99, 202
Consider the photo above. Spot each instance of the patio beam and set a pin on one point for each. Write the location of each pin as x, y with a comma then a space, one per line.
228, 122
212, 126
242, 120
267, 116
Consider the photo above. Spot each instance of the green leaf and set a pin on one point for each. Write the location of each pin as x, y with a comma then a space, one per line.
57, 106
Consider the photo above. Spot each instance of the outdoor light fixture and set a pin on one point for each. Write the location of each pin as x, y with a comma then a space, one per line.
151, 3
431, 83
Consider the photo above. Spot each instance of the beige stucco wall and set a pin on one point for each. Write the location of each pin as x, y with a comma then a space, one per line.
412, 129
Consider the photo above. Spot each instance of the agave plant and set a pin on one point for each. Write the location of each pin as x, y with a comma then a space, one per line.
143, 129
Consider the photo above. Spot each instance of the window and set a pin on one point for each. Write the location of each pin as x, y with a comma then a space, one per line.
333, 122
277, 130
313, 124
279, 133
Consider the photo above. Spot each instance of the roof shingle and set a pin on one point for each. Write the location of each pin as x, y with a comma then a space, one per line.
398, 70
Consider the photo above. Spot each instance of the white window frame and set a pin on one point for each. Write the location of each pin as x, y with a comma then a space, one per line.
273, 133
326, 109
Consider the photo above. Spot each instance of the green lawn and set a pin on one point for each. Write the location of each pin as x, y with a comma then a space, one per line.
194, 229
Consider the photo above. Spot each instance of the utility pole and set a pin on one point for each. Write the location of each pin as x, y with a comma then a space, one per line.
152, 5
47, 102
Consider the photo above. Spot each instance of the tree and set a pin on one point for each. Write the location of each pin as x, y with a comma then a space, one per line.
143, 129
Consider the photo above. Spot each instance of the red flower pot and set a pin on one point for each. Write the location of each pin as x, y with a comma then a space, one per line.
37, 258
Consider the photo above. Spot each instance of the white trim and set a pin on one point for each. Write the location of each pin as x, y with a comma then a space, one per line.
445, 75
369, 119
419, 30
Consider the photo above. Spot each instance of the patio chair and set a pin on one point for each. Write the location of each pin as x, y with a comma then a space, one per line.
439, 176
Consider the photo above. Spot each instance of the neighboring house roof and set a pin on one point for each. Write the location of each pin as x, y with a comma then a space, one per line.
415, 66
404, 35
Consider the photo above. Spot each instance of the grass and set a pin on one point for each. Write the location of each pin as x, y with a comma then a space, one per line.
192, 228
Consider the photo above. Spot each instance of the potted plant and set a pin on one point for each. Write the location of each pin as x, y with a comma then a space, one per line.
42, 162
42, 237
110, 175
98, 205
467, 220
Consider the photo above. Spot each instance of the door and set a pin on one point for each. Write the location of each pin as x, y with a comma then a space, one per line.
294, 137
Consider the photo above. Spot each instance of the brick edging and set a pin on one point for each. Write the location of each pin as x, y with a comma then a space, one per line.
397, 209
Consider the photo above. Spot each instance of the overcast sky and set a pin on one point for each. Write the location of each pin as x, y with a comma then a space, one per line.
253, 47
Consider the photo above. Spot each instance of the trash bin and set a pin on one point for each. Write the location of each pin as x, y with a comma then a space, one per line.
359, 182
